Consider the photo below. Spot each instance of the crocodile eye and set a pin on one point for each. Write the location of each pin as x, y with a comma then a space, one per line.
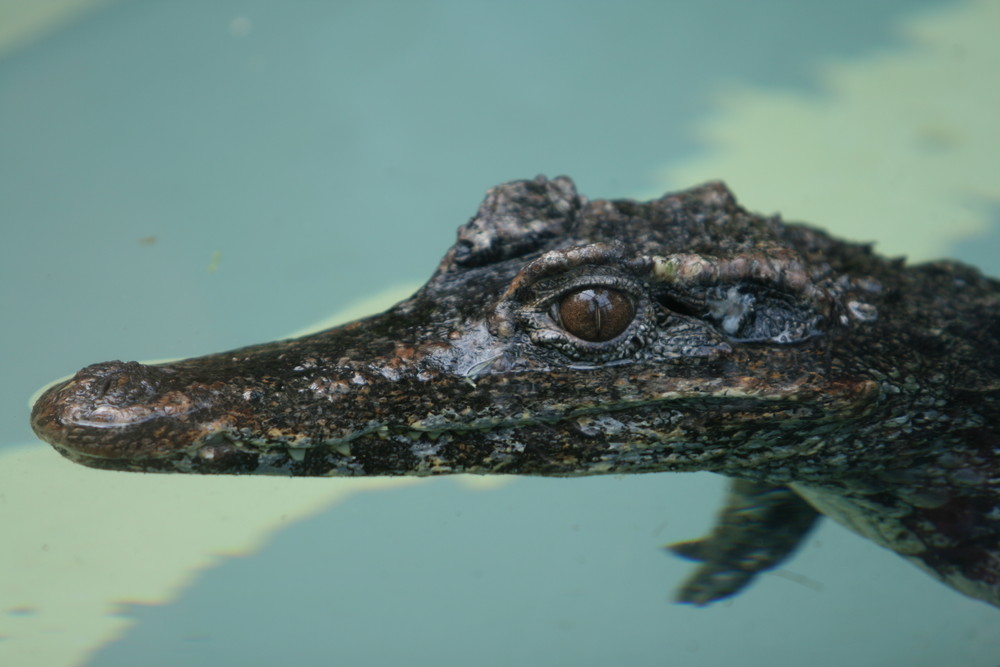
595, 314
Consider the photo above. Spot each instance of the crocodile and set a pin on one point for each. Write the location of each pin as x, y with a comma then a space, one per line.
563, 336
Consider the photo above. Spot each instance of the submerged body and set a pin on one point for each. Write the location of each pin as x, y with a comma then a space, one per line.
561, 336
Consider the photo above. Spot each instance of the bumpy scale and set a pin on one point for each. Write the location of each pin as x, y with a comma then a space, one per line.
561, 336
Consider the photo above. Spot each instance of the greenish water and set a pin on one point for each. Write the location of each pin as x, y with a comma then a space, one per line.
181, 177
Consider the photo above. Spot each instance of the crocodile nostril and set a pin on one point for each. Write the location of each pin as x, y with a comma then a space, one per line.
119, 383
105, 386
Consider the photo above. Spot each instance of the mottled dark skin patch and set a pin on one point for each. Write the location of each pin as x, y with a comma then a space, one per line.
821, 376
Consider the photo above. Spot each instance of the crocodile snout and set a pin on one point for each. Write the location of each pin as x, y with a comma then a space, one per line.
108, 394
103, 405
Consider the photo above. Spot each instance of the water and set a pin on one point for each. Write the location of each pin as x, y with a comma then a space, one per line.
178, 178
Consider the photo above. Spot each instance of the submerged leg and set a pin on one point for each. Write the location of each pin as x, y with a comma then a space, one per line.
759, 526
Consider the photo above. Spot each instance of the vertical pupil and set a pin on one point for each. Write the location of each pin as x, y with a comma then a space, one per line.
596, 314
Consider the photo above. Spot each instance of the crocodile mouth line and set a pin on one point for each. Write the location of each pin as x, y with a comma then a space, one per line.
752, 406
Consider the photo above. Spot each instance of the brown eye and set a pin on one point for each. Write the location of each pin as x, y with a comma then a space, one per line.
596, 314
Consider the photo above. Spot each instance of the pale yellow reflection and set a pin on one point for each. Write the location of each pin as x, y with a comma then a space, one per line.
898, 146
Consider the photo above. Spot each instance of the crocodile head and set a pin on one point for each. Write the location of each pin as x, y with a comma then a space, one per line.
559, 336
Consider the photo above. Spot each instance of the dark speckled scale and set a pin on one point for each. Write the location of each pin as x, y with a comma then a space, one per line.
822, 377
